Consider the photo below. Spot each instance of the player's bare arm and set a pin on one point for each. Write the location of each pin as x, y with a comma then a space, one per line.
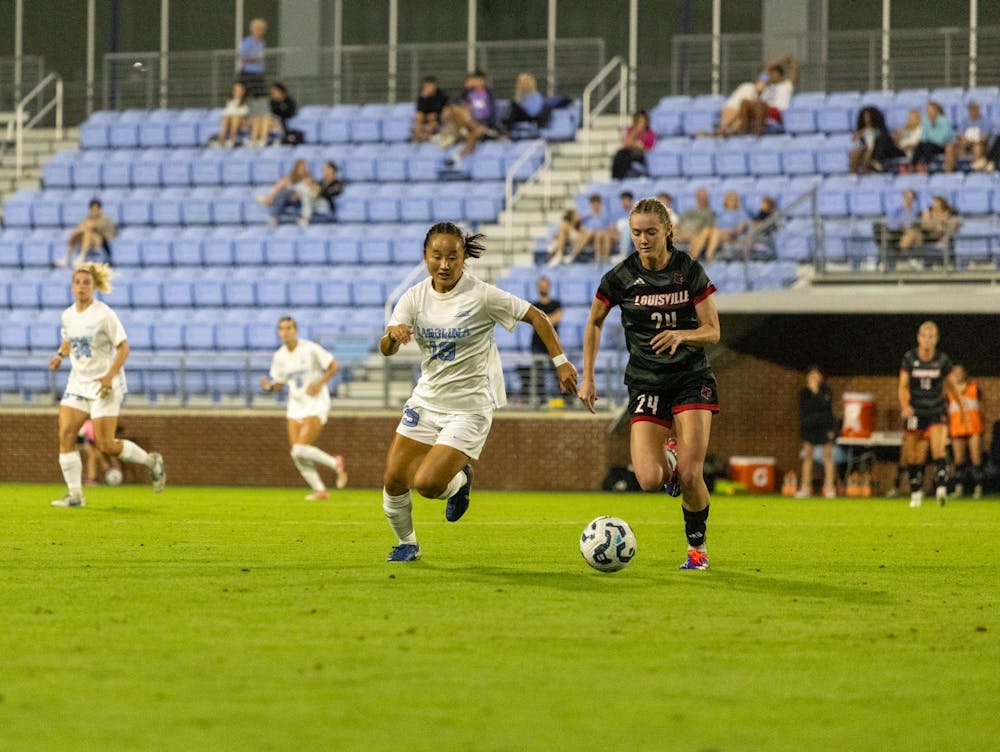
61, 352
905, 408
707, 333
394, 337
565, 371
591, 343
121, 354
271, 386
314, 388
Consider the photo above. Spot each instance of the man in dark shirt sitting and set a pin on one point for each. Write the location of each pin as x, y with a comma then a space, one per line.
431, 104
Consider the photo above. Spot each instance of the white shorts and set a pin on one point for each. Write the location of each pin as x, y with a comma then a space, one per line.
309, 408
465, 432
99, 407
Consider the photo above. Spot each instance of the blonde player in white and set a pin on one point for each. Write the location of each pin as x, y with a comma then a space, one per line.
94, 340
451, 316
306, 368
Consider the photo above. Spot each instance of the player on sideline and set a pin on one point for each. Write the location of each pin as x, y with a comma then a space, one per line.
923, 376
451, 315
669, 317
306, 368
967, 433
95, 341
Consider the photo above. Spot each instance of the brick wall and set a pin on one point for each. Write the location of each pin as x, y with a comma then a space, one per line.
564, 451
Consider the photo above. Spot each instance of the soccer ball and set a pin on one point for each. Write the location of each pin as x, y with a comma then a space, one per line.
113, 477
607, 544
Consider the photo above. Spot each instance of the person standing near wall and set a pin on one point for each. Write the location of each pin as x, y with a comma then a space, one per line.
252, 59
817, 427
966, 432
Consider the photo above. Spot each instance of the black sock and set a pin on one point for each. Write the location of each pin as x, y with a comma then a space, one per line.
977, 475
694, 526
916, 478
940, 472
961, 473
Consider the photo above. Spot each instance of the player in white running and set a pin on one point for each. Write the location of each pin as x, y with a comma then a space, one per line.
306, 368
451, 316
95, 341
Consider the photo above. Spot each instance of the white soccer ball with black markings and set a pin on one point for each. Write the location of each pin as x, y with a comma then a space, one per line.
113, 477
608, 544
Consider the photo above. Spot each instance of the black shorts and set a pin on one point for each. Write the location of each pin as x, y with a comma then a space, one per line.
817, 435
695, 392
254, 83
921, 421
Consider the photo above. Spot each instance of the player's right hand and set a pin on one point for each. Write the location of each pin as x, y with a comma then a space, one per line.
55, 363
588, 394
265, 383
401, 333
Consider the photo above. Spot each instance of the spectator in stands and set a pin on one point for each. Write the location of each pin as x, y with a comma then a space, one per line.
759, 234
623, 235
538, 375
730, 223
431, 106
974, 131
638, 139
695, 226
297, 188
888, 232
908, 136
936, 133
474, 115
566, 235
875, 144
234, 116
283, 109
766, 114
94, 233
252, 59
330, 187
730, 119
527, 106
938, 224
817, 427
597, 229
668, 201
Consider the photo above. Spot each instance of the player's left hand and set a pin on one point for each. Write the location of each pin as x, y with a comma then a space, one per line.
566, 373
667, 341
313, 389
105, 382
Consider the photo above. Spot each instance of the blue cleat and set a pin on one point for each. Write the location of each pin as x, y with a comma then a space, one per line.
695, 560
404, 552
458, 503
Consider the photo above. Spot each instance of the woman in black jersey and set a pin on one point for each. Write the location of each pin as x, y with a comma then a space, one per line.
669, 318
924, 374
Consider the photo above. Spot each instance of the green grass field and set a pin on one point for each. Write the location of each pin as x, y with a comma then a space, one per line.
235, 619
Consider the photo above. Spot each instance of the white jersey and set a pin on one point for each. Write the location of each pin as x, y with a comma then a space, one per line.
93, 335
297, 369
460, 370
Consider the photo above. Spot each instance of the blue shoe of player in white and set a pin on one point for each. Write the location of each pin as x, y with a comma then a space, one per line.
70, 500
673, 484
458, 503
157, 473
404, 552
695, 560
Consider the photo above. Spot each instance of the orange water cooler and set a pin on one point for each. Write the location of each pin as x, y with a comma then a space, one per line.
859, 415
757, 473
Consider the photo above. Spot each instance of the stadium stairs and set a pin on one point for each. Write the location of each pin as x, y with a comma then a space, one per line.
39, 145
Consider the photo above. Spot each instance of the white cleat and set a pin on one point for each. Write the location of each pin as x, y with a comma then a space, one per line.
157, 472
341, 472
977, 491
941, 493
916, 499
70, 500
318, 495
802, 493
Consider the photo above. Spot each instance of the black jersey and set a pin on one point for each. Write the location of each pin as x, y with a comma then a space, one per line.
927, 381
652, 301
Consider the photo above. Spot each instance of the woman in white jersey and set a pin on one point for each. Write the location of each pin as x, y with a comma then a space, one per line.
306, 368
94, 340
451, 315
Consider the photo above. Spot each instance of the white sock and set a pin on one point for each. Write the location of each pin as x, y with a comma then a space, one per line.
72, 470
307, 469
132, 452
456, 483
399, 512
316, 455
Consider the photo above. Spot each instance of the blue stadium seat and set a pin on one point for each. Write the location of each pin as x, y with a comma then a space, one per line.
303, 292
424, 163
43, 336
239, 293
974, 200
313, 248
39, 250
146, 294
168, 335
176, 169
217, 249
207, 170
196, 207
54, 293
231, 335
227, 206
261, 335
199, 335
279, 248
271, 292
765, 157
166, 209
366, 291
343, 249
698, 160
13, 336
732, 157
415, 205
484, 203
799, 157
47, 210
58, 171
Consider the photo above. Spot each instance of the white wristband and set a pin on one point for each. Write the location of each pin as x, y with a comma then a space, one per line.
559, 359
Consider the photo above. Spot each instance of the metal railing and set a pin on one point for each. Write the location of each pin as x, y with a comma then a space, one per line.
542, 176
32, 71
24, 120
615, 67
842, 60
349, 73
